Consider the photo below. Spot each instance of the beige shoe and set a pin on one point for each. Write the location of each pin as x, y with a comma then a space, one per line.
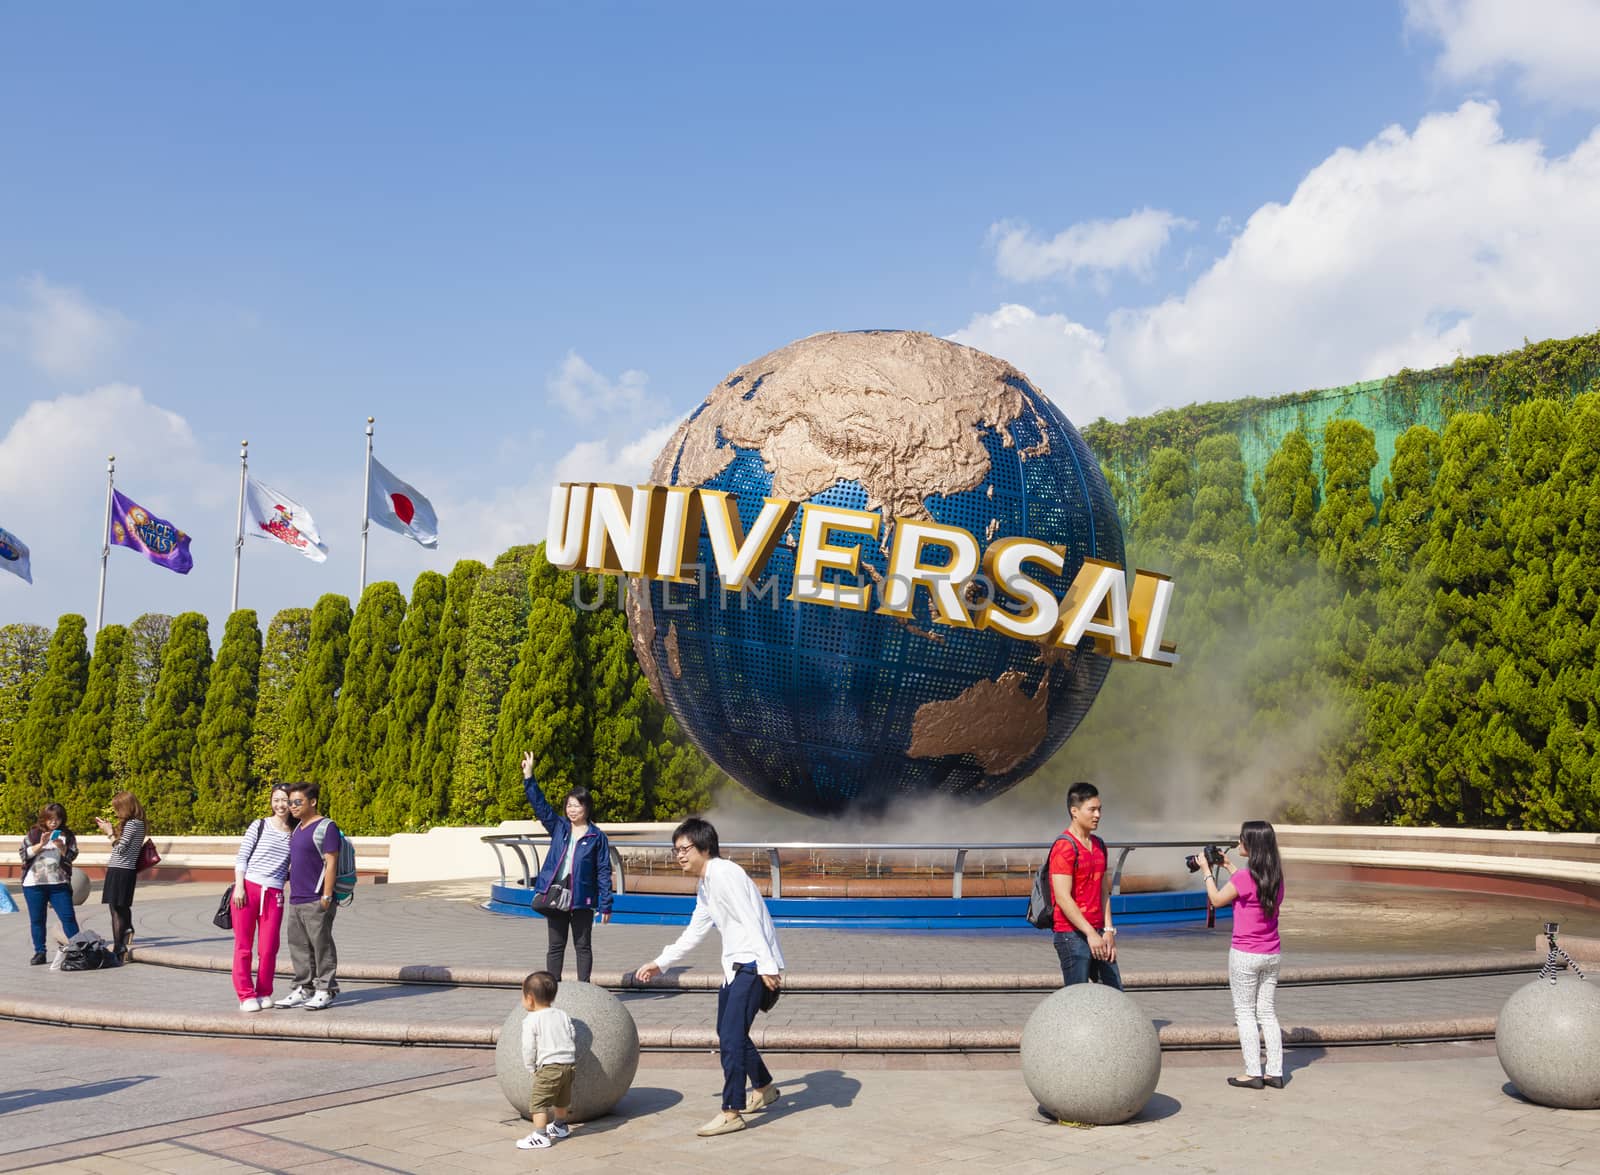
760, 1099
721, 1124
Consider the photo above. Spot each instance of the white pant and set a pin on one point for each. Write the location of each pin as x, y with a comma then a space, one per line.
1253, 980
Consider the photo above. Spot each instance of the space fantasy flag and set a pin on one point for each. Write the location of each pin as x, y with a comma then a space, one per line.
279, 518
14, 556
157, 539
396, 506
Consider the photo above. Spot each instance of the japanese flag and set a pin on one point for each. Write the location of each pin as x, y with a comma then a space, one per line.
276, 516
393, 504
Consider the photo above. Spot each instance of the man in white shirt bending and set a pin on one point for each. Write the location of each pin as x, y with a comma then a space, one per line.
751, 964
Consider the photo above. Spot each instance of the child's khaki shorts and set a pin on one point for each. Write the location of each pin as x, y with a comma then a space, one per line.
552, 1087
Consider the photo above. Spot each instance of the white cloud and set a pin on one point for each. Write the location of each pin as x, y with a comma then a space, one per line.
585, 394
1406, 251
58, 329
1549, 46
1100, 246
52, 492
1064, 359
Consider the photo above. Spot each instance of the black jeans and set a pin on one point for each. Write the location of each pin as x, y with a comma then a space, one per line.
581, 924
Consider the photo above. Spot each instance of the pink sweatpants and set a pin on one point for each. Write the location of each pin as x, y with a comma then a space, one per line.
263, 910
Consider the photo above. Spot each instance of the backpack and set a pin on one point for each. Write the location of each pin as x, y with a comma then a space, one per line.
1042, 902
344, 873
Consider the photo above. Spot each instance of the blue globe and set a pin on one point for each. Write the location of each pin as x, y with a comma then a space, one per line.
829, 711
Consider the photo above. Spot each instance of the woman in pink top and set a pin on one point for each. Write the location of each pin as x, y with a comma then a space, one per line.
1256, 895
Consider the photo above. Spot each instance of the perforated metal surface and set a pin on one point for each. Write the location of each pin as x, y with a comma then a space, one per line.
811, 706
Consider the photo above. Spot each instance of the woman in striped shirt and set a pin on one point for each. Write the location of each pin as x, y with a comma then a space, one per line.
258, 877
122, 869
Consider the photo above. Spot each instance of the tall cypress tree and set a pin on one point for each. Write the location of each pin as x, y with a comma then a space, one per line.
313, 702
351, 764
23, 651
435, 765
1286, 496
223, 774
161, 762
1468, 560
543, 709
55, 699
288, 637
616, 695
80, 771
494, 629
1343, 526
136, 689
402, 725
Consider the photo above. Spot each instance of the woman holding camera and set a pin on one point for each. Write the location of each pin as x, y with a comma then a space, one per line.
1256, 895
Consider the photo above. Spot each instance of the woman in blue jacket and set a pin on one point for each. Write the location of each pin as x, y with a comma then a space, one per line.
579, 862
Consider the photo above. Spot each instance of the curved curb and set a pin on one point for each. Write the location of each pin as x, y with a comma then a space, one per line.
886, 981
698, 1037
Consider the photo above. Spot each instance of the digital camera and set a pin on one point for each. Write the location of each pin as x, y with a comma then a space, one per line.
1211, 855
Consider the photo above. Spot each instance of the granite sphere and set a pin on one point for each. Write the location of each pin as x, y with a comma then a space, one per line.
1091, 1054
80, 887
1548, 1041
608, 1052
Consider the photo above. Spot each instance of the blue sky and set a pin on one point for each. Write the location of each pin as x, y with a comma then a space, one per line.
528, 238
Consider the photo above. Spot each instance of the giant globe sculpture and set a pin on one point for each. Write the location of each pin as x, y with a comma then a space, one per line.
829, 711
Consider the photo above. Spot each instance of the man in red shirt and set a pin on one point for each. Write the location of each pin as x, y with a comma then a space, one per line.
1080, 882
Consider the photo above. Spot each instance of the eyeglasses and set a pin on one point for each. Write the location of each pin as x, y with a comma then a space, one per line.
680, 850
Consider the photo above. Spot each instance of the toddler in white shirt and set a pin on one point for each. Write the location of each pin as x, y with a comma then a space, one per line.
549, 1050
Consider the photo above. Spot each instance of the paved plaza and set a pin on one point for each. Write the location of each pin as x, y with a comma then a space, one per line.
95, 1100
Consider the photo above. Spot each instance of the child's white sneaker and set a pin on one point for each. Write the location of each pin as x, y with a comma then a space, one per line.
535, 1141
558, 1130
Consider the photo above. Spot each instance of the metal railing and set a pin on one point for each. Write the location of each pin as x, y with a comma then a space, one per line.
517, 843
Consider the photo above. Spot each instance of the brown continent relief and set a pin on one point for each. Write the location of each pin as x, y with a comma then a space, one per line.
994, 721
902, 416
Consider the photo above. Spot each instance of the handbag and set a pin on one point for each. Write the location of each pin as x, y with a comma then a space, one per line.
223, 918
769, 997
148, 857
555, 896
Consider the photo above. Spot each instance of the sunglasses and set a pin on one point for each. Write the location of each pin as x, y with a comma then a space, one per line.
296, 803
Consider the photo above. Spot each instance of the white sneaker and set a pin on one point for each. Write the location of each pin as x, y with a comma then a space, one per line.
319, 1001
250, 1005
294, 999
533, 1142
558, 1130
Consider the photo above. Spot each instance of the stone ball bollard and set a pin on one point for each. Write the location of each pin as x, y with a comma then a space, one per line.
608, 1051
80, 887
1548, 1041
1091, 1054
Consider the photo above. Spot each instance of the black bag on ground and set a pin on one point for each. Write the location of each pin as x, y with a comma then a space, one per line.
87, 951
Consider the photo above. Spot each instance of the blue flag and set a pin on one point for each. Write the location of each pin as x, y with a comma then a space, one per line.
14, 555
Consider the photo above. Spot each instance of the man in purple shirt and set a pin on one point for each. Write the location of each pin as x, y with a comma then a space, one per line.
313, 865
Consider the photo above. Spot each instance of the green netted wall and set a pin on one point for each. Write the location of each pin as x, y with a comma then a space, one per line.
1557, 367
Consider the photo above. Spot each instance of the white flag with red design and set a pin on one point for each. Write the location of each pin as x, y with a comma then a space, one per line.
272, 515
396, 506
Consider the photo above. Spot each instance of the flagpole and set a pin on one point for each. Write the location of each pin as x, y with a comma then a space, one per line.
238, 537
366, 489
105, 545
